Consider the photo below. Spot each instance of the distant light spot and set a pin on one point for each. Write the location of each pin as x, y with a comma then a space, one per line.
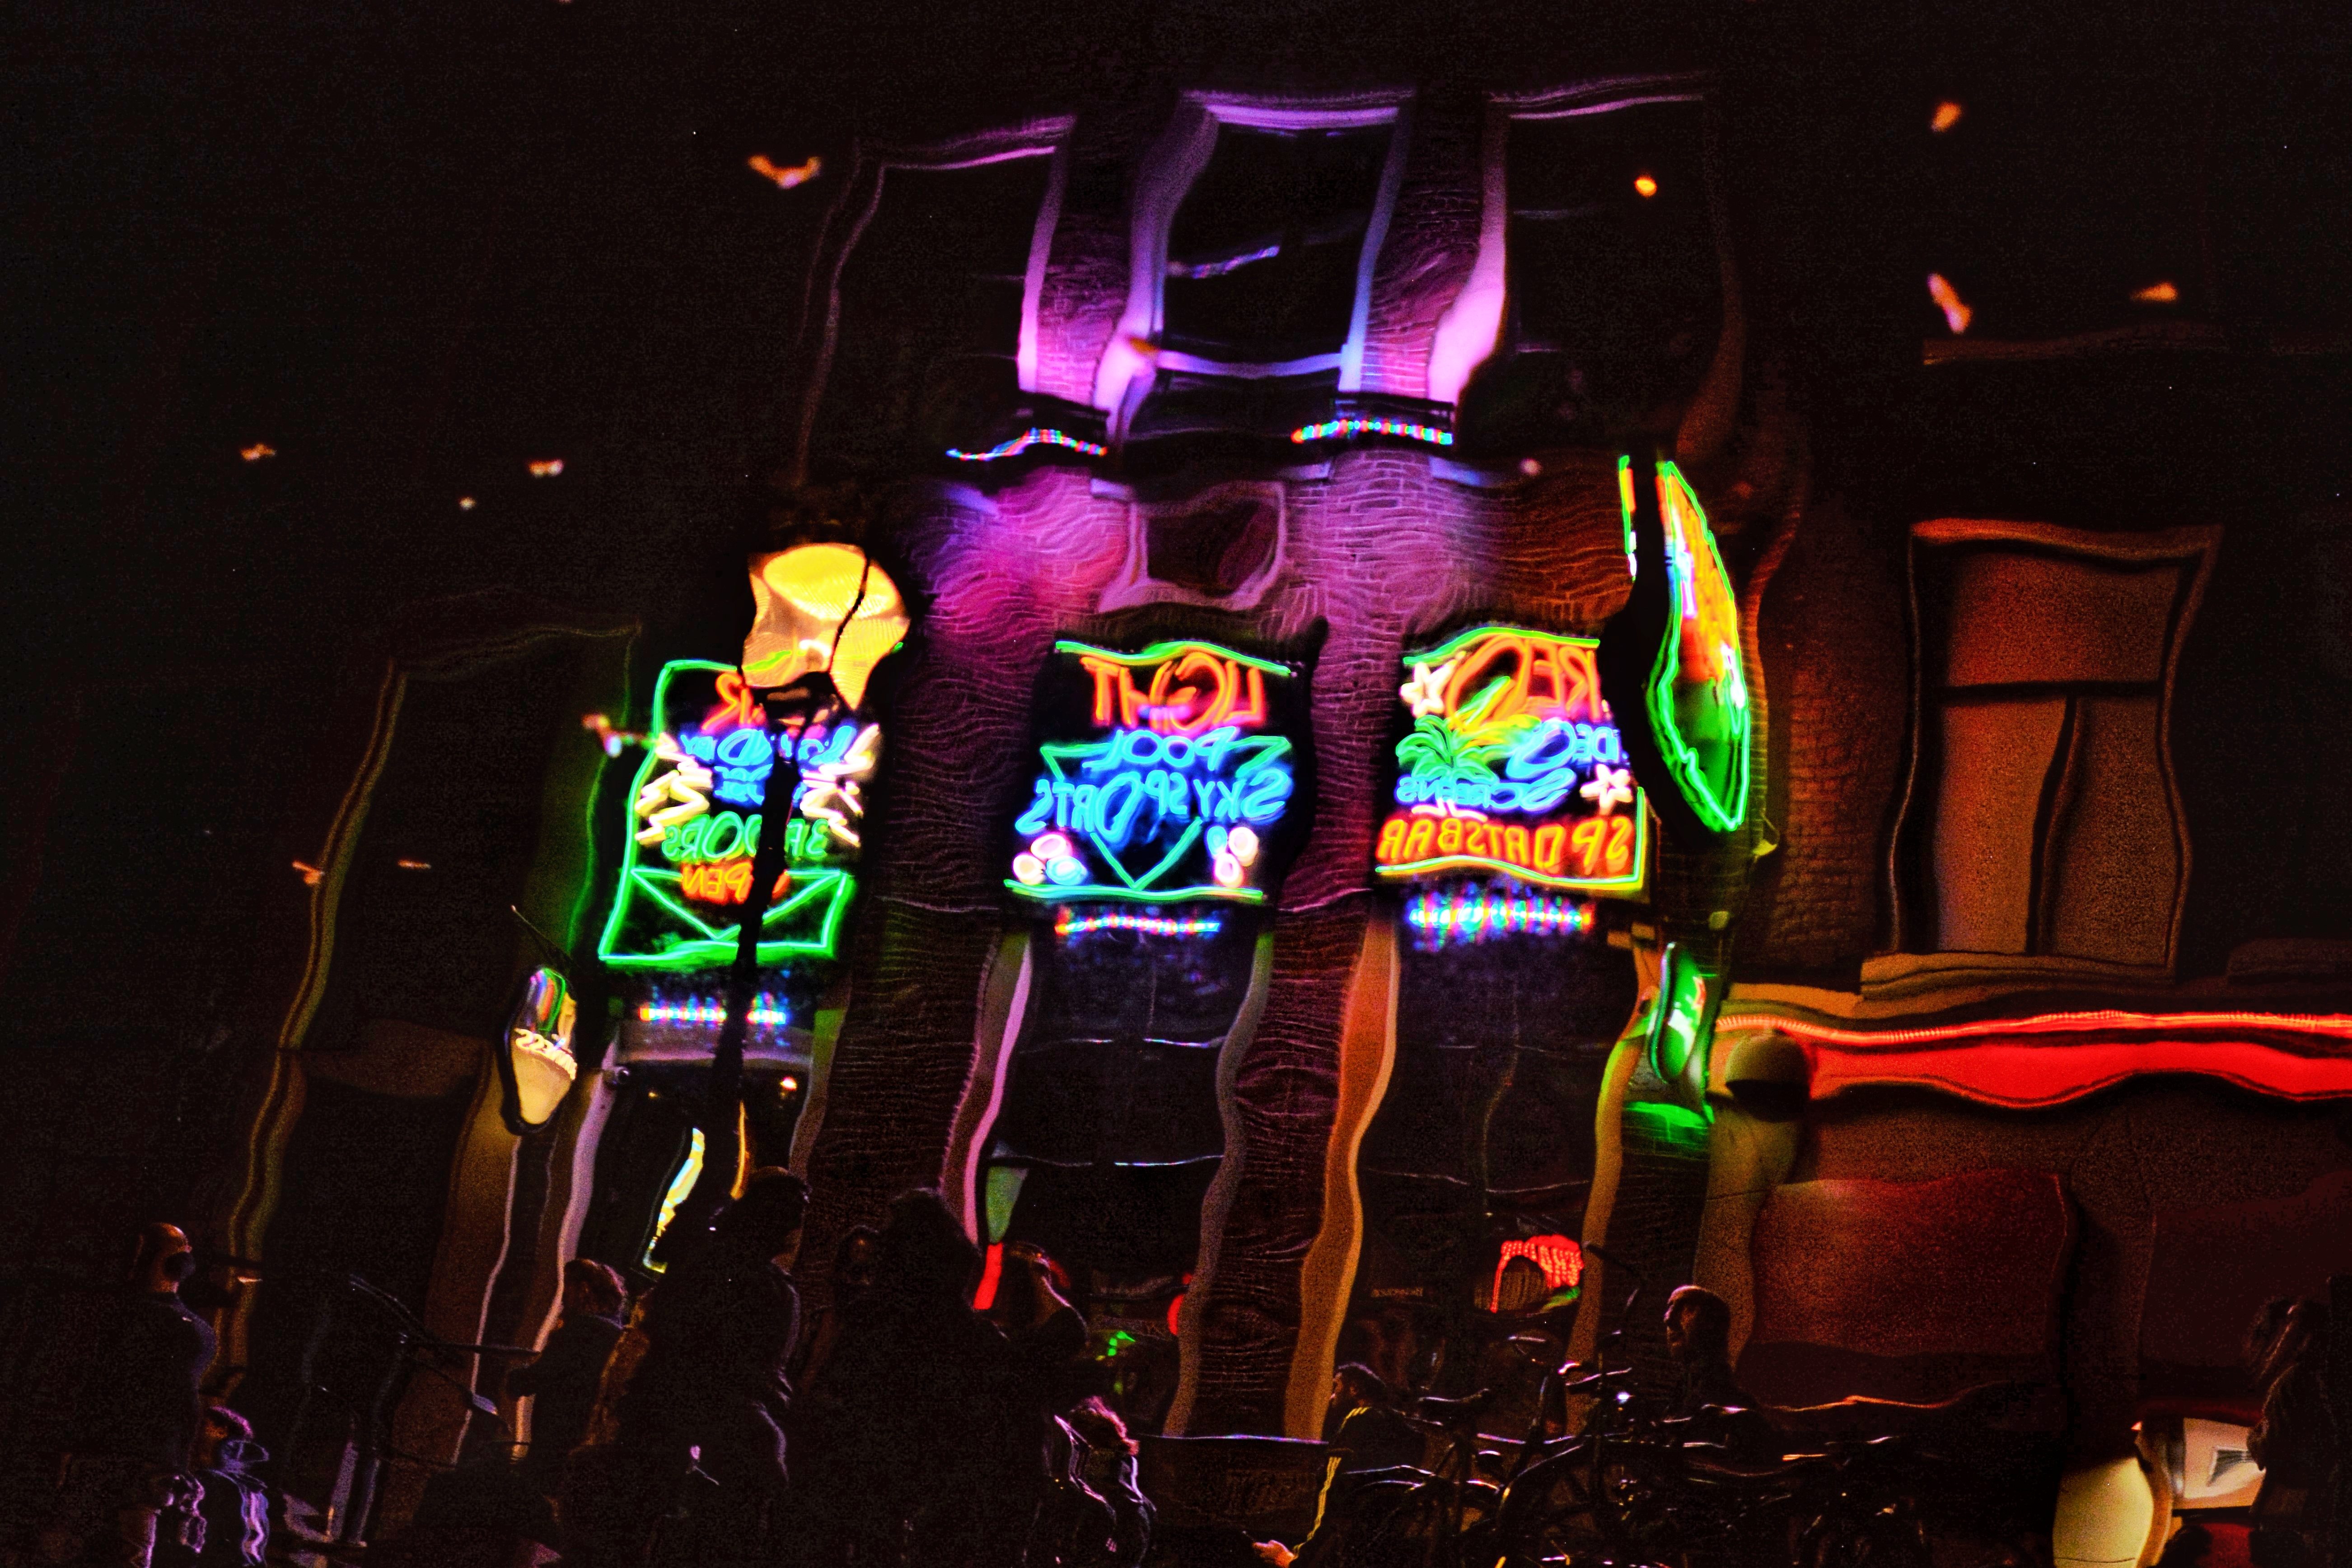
547, 470
2156, 294
465, 503
256, 452
1645, 185
1948, 114
1947, 299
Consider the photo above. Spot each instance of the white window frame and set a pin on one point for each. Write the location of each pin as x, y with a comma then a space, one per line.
1182, 152
1470, 331
861, 199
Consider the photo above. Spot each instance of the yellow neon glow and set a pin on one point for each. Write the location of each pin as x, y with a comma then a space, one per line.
1646, 187
803, 594
679, 1186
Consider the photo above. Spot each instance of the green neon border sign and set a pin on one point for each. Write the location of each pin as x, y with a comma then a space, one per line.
1628, 885
1683, 759
807, 923
1269, 750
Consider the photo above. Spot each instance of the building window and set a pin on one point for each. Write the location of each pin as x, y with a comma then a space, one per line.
922, 334
1223, 547
1256, 230
1597, 294
2042, 828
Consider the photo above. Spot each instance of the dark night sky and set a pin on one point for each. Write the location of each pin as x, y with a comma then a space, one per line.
414, 248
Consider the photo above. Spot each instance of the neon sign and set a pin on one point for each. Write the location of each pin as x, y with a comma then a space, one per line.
1514, 765
1682, 1022
1476, 914
1165, 776
1071, 924
1676, 644
695, 821
537, 1068
1561, 1260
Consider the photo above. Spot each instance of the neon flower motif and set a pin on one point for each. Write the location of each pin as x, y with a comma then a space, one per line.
1426, 693
1029, 868
786, 178
1611, 787
1034, 436
1947, 299
677, 796
610, 739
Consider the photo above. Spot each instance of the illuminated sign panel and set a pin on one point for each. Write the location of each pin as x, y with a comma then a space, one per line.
1513, 765
537, 1068
1560, 1261
1163, 776
695, 826
1677, 642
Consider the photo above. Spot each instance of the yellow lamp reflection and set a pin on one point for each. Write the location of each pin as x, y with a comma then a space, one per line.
822, 607
679, 1186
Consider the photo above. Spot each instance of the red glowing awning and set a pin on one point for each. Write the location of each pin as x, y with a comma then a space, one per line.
2052, 1058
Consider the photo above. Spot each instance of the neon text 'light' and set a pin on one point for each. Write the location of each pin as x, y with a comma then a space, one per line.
1171, 792
1070, 923
1328, 429
1513, 764
1034, 436
696, 817
1560, 1258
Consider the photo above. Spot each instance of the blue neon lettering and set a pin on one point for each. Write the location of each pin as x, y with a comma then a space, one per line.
1034, 819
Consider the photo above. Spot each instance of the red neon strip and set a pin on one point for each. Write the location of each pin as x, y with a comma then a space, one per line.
2336, 1026
985, 1297
2048, 1059
2027, 1075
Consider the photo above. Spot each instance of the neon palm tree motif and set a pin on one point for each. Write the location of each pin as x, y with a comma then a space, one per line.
1454, 756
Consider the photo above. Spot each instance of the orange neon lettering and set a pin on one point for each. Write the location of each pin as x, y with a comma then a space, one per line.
1255, 713
1620, 856
1105, 672
1589, 839
1417, 842
1392, 845
725, 882
1514, 844
1580, 696
1449, 836
1551, 842
736, 703
1202, 711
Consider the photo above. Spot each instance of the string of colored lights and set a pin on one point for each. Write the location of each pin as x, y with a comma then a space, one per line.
1069, 925
1032, 436
1330, 428
766, 1011
1477, 915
